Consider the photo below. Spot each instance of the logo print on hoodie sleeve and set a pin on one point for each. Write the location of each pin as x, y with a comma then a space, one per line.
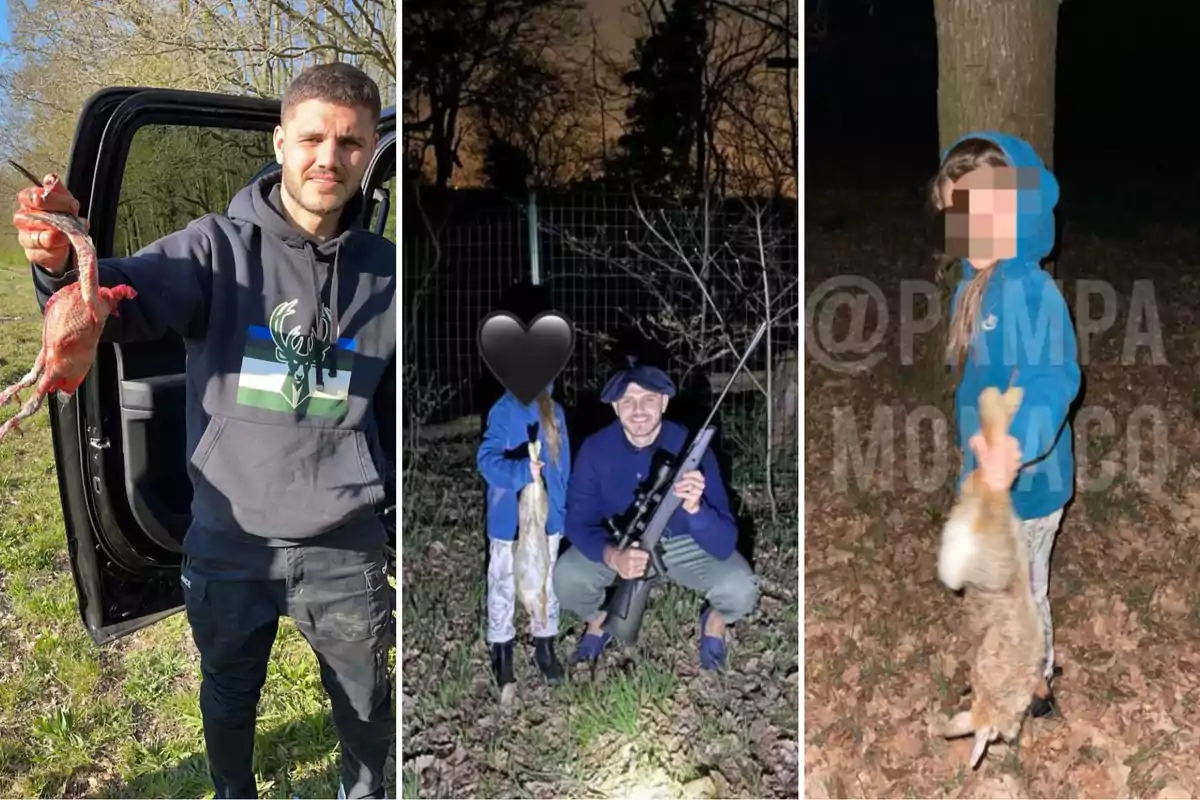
279, 367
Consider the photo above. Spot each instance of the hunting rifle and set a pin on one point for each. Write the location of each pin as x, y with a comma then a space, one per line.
642, 524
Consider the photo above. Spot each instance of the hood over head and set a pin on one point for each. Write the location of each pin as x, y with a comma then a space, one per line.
1037, 195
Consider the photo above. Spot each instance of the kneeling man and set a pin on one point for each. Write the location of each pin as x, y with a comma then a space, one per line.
698, 544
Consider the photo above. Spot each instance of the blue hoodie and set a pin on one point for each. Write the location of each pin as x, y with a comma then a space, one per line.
609, 469
1027, 328
508, 430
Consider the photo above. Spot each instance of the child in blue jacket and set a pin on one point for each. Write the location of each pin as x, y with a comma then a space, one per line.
503, 460
1010, 326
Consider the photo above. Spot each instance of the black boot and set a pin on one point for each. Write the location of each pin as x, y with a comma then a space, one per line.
546, 660
502, 662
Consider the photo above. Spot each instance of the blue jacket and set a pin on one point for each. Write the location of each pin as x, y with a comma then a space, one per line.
607, 470
506, 475
1027, 328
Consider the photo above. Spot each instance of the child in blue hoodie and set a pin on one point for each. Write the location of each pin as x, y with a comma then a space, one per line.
504, 462
1010, 326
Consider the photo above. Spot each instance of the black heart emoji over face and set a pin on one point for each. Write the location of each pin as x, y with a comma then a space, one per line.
526, 359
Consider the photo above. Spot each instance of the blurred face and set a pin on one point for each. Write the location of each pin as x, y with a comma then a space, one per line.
640, 411
323, 149
981, 214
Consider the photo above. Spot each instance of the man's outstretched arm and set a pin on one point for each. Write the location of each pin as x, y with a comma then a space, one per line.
173, 280
172, 276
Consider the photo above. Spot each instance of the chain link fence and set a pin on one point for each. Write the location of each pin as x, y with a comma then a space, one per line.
687, 283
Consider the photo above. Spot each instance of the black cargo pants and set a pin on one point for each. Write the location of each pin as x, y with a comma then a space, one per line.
342, 603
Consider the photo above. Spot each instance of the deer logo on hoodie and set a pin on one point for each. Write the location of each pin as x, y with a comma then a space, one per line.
280, 363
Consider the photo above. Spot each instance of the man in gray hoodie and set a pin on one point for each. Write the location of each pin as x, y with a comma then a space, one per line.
286, 306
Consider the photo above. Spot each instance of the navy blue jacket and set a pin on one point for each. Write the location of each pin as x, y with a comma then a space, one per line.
607, 470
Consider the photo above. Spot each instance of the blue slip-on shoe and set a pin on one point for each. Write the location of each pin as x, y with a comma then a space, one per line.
712, 648
590, 647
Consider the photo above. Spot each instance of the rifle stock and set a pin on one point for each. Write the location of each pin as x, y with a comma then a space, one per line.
624, 620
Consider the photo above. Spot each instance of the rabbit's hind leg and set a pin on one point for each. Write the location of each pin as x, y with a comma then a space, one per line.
983, 737
959, 725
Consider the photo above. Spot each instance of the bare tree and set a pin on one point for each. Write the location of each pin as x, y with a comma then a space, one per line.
547, 112
718, 270
748, 131
258, 46
753, 109
457, 53
68, 49
225, 45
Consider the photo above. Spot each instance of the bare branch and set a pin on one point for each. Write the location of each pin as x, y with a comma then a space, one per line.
742, 9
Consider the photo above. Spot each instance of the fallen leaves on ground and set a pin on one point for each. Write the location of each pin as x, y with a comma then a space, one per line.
884, 639
647, 724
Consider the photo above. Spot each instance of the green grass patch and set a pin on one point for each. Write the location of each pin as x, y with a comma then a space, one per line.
616, 704
411, 784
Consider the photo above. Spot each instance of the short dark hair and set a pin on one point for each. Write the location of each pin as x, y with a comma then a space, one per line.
339, 83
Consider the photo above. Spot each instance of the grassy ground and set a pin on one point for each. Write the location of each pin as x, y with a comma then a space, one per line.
647, 724
883, 636
121, 720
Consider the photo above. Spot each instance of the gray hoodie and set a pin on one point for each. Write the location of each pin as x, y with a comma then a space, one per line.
285, 443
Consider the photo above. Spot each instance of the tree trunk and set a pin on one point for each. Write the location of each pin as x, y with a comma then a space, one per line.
996, 66
996, 62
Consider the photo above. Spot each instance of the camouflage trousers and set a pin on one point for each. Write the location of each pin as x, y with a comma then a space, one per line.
342, 603
1039, 540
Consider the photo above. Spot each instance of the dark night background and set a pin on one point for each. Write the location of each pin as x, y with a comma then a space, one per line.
1126, 82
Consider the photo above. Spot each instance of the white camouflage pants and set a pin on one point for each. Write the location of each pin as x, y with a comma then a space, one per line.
502, 593
1039, 539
